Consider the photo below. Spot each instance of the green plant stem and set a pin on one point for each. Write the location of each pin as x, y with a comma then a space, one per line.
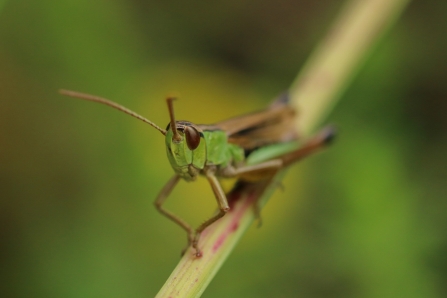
314, 93
338, 57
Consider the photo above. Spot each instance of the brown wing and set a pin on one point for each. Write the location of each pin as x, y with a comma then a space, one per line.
273, 125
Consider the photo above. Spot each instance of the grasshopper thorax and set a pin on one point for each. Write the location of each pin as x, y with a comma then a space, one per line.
186, 149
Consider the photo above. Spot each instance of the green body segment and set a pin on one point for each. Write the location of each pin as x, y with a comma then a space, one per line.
221, 152
270, 152
213, 149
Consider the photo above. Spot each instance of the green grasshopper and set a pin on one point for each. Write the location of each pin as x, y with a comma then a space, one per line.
250, 147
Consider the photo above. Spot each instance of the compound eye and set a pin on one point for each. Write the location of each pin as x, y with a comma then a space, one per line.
192, 137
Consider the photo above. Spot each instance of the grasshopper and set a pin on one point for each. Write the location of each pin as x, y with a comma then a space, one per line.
250, 147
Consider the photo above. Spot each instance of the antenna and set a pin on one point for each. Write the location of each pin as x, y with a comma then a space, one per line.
110, 104
176, 137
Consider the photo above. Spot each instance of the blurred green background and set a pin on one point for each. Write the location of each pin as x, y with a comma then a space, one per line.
366, 218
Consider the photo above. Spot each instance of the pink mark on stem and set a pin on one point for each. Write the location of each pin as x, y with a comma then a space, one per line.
236, 217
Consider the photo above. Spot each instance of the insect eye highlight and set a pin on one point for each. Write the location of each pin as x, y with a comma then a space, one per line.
192, 137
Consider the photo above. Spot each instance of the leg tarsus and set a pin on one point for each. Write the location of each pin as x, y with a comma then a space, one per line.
222, 203
257, 212
161, 198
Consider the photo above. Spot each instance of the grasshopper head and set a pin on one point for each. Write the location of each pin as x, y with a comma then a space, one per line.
185, 146
185, 143
186, 149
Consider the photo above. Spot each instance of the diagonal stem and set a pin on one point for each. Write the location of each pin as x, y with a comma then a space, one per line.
339, 56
